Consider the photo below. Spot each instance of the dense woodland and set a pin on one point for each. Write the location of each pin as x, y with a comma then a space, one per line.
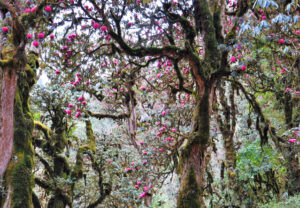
152, 103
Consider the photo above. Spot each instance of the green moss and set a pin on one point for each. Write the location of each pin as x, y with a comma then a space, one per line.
210, 40
90, 136
218, 27
189, 194
91, 145
78, 169
19, 172
6, 63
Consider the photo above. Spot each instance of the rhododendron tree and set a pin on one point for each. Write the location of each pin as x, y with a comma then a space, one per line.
17, 74
170, 77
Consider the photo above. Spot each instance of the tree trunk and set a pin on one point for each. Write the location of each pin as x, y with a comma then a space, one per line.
195, 155
18, 176
8, 83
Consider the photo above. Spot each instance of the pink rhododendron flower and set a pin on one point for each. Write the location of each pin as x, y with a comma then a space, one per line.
145, 162
103, 28
83, 103
164, 113
78, 114
243, 68
145, 153
142, 195
141, 142
96, 25
283, 70
173, 130
136, 186
48, 8
80, 98
161, 150
52, 36
5, 29
35, 43
143, 88
287, 89
29, 36
68, 112
233, 59
41, 36
146, 188
292, 140
281, 41
139, 183
57, 71
70, 106
27, 10
33, 9
297, 31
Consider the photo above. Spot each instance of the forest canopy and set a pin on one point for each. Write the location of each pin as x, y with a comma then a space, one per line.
152, 103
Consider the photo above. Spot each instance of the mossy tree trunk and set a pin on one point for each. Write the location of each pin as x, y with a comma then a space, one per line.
17, 77
18, 175
292, 119
8, 83
61, 167
227, 124
195, 155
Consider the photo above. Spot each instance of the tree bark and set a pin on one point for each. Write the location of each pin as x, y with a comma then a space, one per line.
8, 83
195, 154
18, 176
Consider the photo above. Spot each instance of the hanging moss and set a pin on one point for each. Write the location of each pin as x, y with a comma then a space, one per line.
189, 194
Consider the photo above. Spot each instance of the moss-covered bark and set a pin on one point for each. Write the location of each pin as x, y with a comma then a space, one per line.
189, 194
18, 176
195, 155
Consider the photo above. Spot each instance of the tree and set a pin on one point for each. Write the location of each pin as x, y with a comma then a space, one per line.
206, 68
17, 67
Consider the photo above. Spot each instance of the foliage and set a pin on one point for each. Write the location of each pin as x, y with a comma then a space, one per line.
289, 202
165, 85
